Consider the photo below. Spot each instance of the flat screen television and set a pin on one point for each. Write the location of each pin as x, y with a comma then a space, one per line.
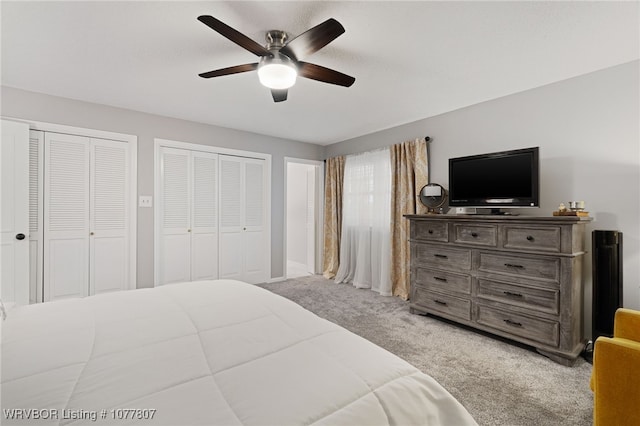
495, 180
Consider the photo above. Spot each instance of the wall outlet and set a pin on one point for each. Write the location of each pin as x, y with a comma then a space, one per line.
145, 201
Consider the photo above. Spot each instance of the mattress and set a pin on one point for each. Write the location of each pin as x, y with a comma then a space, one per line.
217, 352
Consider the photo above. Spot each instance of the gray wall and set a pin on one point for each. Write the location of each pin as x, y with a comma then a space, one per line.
587, 129
37, 107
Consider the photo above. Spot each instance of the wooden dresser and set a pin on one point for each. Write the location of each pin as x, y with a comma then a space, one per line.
518, 277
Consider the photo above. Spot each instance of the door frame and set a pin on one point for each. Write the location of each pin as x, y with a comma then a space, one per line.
319, 212
159, 143
132, 140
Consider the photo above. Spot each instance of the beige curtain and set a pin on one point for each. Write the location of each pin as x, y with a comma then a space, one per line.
334, 176
408, 175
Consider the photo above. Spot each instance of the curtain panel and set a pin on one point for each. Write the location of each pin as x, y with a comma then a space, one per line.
333, 183
365, 248
408, 175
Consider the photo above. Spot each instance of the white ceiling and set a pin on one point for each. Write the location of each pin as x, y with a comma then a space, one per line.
411, 60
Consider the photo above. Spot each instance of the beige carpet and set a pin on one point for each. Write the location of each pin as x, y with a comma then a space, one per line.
500, 383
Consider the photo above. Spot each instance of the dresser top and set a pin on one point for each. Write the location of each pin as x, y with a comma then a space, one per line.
499, 218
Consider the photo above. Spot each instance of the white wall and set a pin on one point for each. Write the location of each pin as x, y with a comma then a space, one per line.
38, 107
588, 132
297, 211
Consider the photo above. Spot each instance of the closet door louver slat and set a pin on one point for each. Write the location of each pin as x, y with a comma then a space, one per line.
254, 194
205, 197
34, 189
175, 189
230, 194
110, 174
68, 185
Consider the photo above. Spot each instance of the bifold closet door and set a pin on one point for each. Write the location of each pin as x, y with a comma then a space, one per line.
242, 219
86, 216
109, 216
189, 216
175, 247
66, 210
204, 216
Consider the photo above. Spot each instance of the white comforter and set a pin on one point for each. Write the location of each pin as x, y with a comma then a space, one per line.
211, 352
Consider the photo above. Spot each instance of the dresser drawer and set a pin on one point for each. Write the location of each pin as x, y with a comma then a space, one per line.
537, 299
443, 304
481, 235
538, 268
443, 280
539, 330
431, 231
442, 257
545, 239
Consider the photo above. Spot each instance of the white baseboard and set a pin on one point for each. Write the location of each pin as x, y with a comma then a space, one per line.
276, 280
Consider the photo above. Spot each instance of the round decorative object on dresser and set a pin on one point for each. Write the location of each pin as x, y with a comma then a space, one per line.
434, 197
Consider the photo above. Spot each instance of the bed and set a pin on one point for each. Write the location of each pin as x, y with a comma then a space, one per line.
204, 353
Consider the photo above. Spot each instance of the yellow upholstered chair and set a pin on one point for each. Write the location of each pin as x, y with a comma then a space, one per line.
615, 379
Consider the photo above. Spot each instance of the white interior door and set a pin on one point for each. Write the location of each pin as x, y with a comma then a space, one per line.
36, 161
204, 216
109, 216
14, 219
231, 220
66, 212
175, 193
254, 221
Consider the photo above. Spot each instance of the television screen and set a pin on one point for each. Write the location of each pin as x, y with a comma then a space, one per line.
498, 179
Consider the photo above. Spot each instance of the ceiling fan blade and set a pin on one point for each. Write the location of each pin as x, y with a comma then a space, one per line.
234, 35
231, 70
326, 75
313, 40
279, 95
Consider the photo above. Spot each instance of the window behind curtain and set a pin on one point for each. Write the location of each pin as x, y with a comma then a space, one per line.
365, 244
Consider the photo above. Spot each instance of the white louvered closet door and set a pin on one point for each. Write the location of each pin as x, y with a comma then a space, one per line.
36, 161
204, 216
175, 247
231, 220
109, 216
242, 219
254, 221
66, 212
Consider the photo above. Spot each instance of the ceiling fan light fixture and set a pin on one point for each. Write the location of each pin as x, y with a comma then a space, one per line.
277, 74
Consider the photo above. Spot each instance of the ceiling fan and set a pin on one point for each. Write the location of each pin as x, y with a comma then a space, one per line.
281, 58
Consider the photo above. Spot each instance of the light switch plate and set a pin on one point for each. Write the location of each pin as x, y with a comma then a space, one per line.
145, 201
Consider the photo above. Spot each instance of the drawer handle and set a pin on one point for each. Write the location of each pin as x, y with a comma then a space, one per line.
508, 293
444, 280
474, 234
440, 302
513, 323
441, 256
530, 238
430, 231
513, 265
